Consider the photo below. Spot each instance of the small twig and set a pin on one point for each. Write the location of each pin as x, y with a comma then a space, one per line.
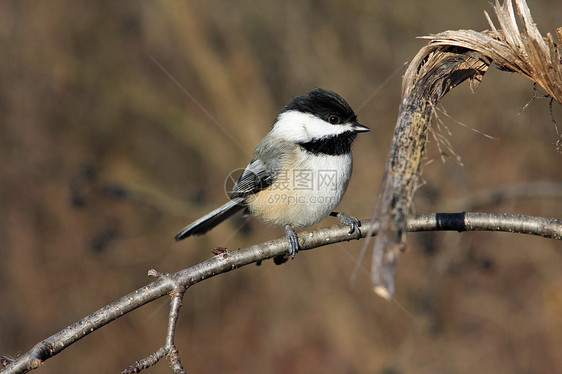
146, 362
175, 306
169, 349
173, 353
227, 261
174, 361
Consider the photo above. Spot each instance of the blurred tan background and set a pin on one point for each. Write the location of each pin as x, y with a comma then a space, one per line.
104, 159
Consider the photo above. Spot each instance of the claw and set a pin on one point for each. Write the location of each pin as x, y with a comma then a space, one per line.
350, 221
293, 240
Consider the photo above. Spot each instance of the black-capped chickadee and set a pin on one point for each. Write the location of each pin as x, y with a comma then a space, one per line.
300, 170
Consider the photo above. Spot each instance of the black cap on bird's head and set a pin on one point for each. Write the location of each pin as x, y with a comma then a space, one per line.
326, 105
320, 121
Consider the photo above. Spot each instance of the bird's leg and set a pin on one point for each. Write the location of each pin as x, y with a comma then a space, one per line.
350, 221
293, 240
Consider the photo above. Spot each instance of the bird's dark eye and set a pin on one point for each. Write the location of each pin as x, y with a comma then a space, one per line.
334, 120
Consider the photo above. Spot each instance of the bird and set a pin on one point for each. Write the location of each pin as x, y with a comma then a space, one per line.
300, 170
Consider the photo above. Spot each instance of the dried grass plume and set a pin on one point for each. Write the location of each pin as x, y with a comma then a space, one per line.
450, 58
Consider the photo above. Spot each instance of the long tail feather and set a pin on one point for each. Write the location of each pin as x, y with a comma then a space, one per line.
210, 220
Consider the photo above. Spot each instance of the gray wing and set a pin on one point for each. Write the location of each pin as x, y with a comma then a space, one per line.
255, 178
259, 175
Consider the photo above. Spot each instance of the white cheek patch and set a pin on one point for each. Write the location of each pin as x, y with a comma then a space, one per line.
301, 127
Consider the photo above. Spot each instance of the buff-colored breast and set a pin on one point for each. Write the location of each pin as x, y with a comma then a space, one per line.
307, 190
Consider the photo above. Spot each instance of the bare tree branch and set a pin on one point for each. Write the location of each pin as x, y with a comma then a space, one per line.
451, 58
175, 284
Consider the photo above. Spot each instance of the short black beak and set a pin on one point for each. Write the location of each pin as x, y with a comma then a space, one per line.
360, 128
